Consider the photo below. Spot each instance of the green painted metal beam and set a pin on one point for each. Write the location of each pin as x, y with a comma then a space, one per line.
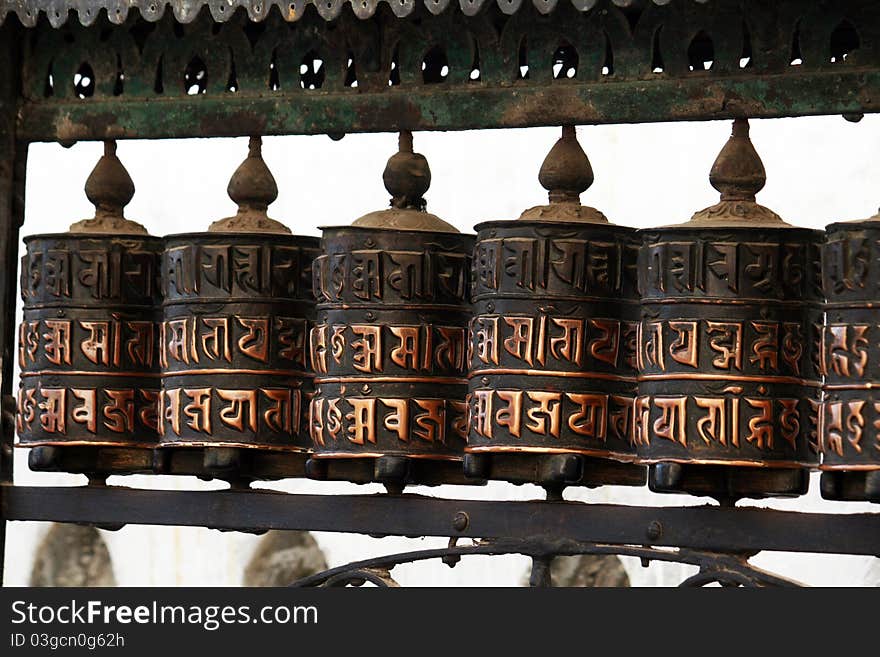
433, 107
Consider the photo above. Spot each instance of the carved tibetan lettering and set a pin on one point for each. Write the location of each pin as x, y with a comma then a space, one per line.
450, 349
725, 338
100, 274
248, 263
408, 276
28, 342
642, 418
398, 419
590, 419
368, 349
567, 345
459, 419
141, 345
149, 411
432, 423
684, 348
571, 264
255, 342
765, 348
653, 348
279, 416
486, 336
57, 337
291, 336
761, 425
27, 409
790, 421
405, 353
57, 273
606, 344
119, 410
486, 263
171, 414
510, 416
673, 419
363, 420
482, 413
178, 342
792, 345
241, 411
545, 417
215, 266
85, 412
54, 408
215, 342
198, 410
334, 418
620, 418
337, 342
366, 274
524, 262
316, 420
712, 426
318, 348
849, 429
722, 263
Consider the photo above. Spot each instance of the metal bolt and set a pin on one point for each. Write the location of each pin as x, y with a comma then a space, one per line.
461, 521
655, 530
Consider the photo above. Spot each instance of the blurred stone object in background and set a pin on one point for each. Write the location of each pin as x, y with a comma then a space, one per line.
70, 555
282, 557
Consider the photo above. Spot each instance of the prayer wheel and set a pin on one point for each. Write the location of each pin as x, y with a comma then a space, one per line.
851, 358
88, 342
729, 373
552, 351
236, 315
388, 348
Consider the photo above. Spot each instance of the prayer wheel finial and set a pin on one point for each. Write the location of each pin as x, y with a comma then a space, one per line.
407, 177
110, 189
566, 173
738, 174
252, 187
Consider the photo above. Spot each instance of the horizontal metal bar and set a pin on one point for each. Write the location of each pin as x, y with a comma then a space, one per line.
723, 529
438, 107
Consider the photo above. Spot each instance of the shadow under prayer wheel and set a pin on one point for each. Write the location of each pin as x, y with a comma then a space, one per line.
552, 351
729, 374
87, 343
388, 348
233, 340
850, 423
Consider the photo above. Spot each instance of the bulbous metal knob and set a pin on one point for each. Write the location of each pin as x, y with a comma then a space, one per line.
252, 187
407, 177
110, 189
566, 173
738, 174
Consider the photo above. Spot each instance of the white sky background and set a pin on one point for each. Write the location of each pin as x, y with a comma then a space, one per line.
819, 170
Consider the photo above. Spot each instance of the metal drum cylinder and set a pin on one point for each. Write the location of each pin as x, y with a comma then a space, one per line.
552, 351
236, 316
729, 378
388, 348
87, 342
850, 355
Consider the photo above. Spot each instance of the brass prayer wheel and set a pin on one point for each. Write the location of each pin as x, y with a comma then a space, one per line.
236, 314
88, 343
388, 348
729, 375
851, 362
552, 350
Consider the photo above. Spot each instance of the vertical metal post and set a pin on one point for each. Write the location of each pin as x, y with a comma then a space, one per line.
13, 160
